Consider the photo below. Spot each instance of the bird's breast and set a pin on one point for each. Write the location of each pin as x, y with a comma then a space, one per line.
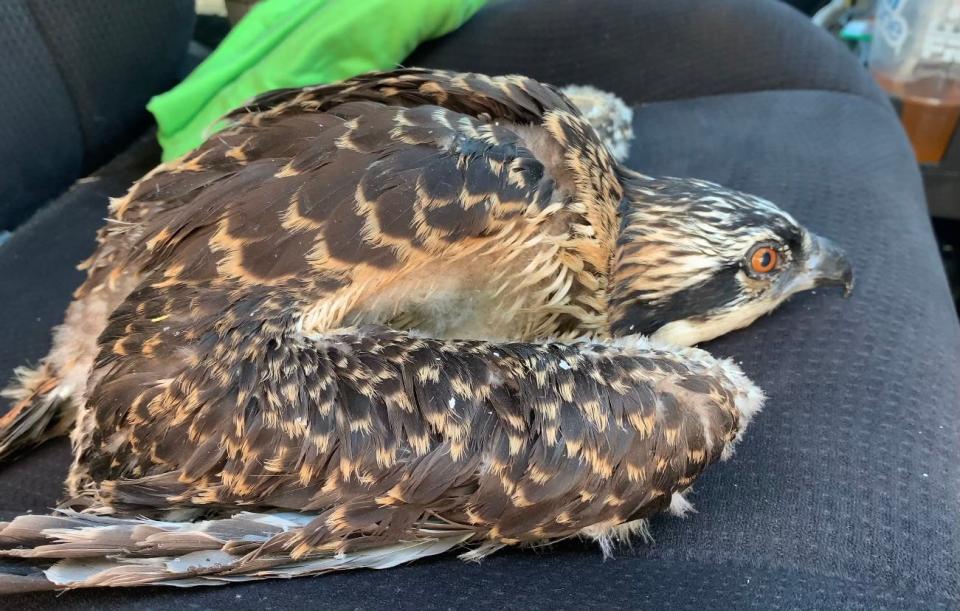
509, 294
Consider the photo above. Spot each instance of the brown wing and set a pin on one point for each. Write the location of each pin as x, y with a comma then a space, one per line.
514, 99
381, 432
393, 448
375, 179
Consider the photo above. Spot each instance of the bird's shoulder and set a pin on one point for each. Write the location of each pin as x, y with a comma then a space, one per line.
356, 181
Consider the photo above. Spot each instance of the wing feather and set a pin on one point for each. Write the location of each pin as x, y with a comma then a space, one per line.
517, 442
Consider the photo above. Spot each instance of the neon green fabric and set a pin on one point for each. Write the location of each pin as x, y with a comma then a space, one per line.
292, 43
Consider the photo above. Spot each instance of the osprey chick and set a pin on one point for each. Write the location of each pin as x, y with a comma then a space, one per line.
407, 307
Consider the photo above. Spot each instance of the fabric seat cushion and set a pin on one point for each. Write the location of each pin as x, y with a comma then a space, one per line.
77, 75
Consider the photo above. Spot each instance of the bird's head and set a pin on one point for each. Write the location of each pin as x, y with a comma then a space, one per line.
695, 260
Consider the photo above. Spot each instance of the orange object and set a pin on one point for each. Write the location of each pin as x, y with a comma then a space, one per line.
764, 259
930, 112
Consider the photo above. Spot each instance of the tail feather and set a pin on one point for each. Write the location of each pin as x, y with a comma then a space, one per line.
38, 413
79, 550
46, 397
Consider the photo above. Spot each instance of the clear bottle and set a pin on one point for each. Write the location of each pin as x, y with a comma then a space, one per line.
915, 56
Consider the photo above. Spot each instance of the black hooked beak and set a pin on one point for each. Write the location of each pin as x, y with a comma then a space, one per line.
827, 265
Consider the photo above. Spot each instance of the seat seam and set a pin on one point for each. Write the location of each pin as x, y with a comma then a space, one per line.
67, 85
883, 105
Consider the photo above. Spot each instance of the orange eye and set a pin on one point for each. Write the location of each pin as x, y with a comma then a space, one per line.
764, 259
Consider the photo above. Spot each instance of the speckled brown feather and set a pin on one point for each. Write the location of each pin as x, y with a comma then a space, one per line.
243, 371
